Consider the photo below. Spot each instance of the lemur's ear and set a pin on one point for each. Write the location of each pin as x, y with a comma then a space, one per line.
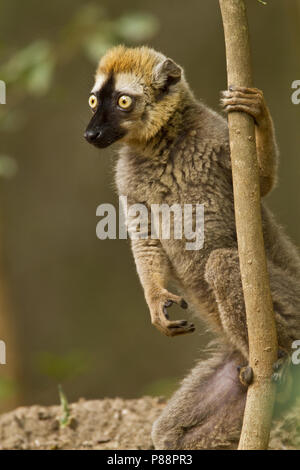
167, 73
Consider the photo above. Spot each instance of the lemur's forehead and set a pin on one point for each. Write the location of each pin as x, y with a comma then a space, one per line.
99, 82
132, 68
128, 83
123, 82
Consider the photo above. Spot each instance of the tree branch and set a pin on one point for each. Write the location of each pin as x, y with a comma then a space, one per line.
255, 280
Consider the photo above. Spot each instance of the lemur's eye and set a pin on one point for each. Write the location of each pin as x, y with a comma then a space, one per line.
93, 101
125, 102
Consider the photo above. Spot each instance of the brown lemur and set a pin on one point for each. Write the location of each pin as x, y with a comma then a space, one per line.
175, 150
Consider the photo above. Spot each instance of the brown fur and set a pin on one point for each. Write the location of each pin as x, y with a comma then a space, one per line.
176, 150
140, 60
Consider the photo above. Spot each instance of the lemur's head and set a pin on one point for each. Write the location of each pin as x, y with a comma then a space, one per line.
135, 92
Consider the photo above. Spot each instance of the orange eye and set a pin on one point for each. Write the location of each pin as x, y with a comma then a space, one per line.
125, 102
93, 101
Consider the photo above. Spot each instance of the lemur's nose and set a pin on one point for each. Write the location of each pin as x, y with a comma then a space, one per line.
91, 135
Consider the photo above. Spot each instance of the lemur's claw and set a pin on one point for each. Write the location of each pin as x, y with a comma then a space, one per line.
183, 304
167, 304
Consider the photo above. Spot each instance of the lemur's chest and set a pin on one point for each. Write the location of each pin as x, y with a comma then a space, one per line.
190, 175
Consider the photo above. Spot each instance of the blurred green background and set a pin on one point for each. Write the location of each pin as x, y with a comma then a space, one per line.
71, 307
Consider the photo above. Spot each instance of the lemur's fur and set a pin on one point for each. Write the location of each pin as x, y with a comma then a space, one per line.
174, 149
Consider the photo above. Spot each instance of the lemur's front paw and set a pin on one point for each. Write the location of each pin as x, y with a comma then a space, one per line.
248, 100
160, 317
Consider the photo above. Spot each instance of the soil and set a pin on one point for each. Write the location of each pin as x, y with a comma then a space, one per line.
94, 424
104, 424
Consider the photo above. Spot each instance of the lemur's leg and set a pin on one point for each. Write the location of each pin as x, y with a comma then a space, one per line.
207, 410
223, 275
251, 101
153, 269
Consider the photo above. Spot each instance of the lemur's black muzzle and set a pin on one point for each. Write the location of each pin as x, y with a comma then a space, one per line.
91, 135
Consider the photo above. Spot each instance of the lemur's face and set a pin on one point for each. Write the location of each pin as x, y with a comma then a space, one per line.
118, 104
134, 93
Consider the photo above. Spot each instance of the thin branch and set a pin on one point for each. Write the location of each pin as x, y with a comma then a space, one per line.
255, 280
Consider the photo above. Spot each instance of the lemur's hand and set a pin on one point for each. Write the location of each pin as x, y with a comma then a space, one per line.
248, 100
158, 303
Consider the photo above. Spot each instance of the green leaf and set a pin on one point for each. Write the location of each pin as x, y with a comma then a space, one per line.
8, 166
137, 26
64, 406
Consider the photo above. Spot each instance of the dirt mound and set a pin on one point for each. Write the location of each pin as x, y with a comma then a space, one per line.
105, 424
95, 424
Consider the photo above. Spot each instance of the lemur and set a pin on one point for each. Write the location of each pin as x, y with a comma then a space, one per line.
174, 149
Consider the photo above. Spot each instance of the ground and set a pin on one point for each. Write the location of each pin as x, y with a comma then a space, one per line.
104, 424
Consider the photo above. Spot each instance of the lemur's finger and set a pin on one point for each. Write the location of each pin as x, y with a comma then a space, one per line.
249, 91
233, 104
180, 327
184, 332
175, 330
237, 100
254, 112
176, 299
172, 328
167, 304
179, 324
225, 95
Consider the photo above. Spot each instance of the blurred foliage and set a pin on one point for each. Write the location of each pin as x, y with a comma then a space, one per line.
8, 388
31, 69
8, 166
165, 387
62, 367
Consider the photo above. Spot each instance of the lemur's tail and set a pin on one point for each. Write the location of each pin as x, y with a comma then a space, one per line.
207, 411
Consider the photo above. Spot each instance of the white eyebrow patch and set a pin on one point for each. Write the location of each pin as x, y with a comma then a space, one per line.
100, 80
128, 83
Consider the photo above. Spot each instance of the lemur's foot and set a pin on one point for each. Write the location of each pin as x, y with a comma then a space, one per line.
245, 375
160, 316
248, 100
281, 367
